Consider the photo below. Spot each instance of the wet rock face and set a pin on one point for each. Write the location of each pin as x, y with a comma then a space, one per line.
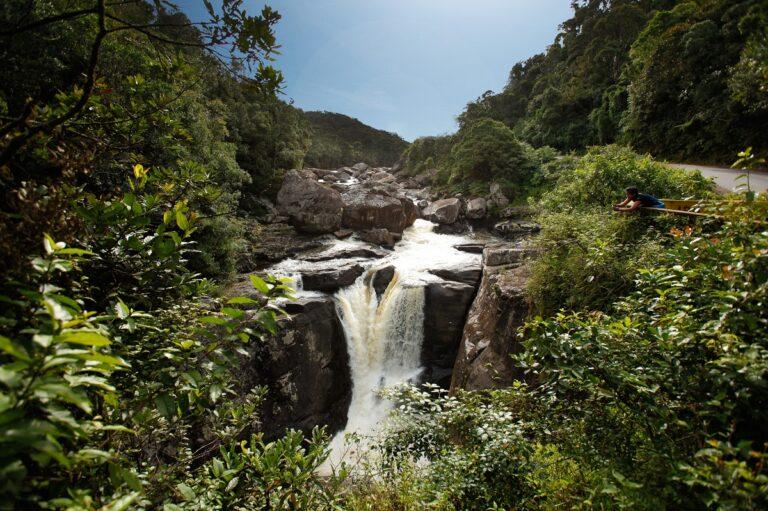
332, 276
381, 279
373, 205
444, 211
380, 236
489, 336
310, 206
305, 367
445, 309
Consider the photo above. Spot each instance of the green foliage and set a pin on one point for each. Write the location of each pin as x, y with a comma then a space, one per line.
587, 259
601, 176
339, 140
258, 475
486, 151
648, 74
427, 153
658, 403
588, 255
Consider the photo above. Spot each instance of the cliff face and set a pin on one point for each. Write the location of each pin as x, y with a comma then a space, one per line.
489, 336
306, 370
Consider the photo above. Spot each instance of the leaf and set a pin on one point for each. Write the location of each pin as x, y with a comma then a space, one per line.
165, 405
231, 485
182, 221
121, 309
259, 284
215, 392
84, 337
186, 492
9, 347
122, 503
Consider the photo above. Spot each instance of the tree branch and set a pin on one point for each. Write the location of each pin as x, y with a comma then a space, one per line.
18, 142
47, 21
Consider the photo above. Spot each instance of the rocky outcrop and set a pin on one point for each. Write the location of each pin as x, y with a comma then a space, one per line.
374, 205
381, 279
490, 332
472, 248
476, 208
346, 253
310, 206
445, 309
331, 276
444, 211
516, 228
469, 275
496, 198
305, 367
381, 237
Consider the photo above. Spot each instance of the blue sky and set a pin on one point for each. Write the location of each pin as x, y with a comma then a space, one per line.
408, 66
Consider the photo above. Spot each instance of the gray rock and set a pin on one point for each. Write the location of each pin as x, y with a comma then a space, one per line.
497, 198
516, 228
490, 332
305, 367
380, 237
381, 279
503, 255
358, 168
472, 248
445, 309
347, 253
444, 211
374, 205
476, 208
311, 207
383, 176
331, 277
469, 275
343, 234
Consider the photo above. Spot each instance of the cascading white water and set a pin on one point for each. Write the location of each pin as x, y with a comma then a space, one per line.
384, 336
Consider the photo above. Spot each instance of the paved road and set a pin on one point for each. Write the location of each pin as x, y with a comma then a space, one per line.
726, 178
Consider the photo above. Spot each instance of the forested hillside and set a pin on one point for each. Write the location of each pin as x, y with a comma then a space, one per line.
679, 79
341, 140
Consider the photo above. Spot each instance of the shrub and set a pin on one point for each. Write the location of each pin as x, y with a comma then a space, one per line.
602, 175
588, 258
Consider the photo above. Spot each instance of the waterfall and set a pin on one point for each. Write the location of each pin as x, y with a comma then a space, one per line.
384, 339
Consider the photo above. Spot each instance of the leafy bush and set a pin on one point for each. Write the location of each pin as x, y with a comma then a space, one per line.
601, 176
588, 258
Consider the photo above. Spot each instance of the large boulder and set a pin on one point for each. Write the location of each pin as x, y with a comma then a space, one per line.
381, 279
331, 276
467, 274
490, 332
380, 236
374, 205
476, 208
310, 206
350, 252
305, 367
445, 309
500, 255
444, 211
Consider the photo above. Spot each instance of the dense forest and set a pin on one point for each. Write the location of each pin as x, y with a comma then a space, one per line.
679, 79
140, 149
339, 140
